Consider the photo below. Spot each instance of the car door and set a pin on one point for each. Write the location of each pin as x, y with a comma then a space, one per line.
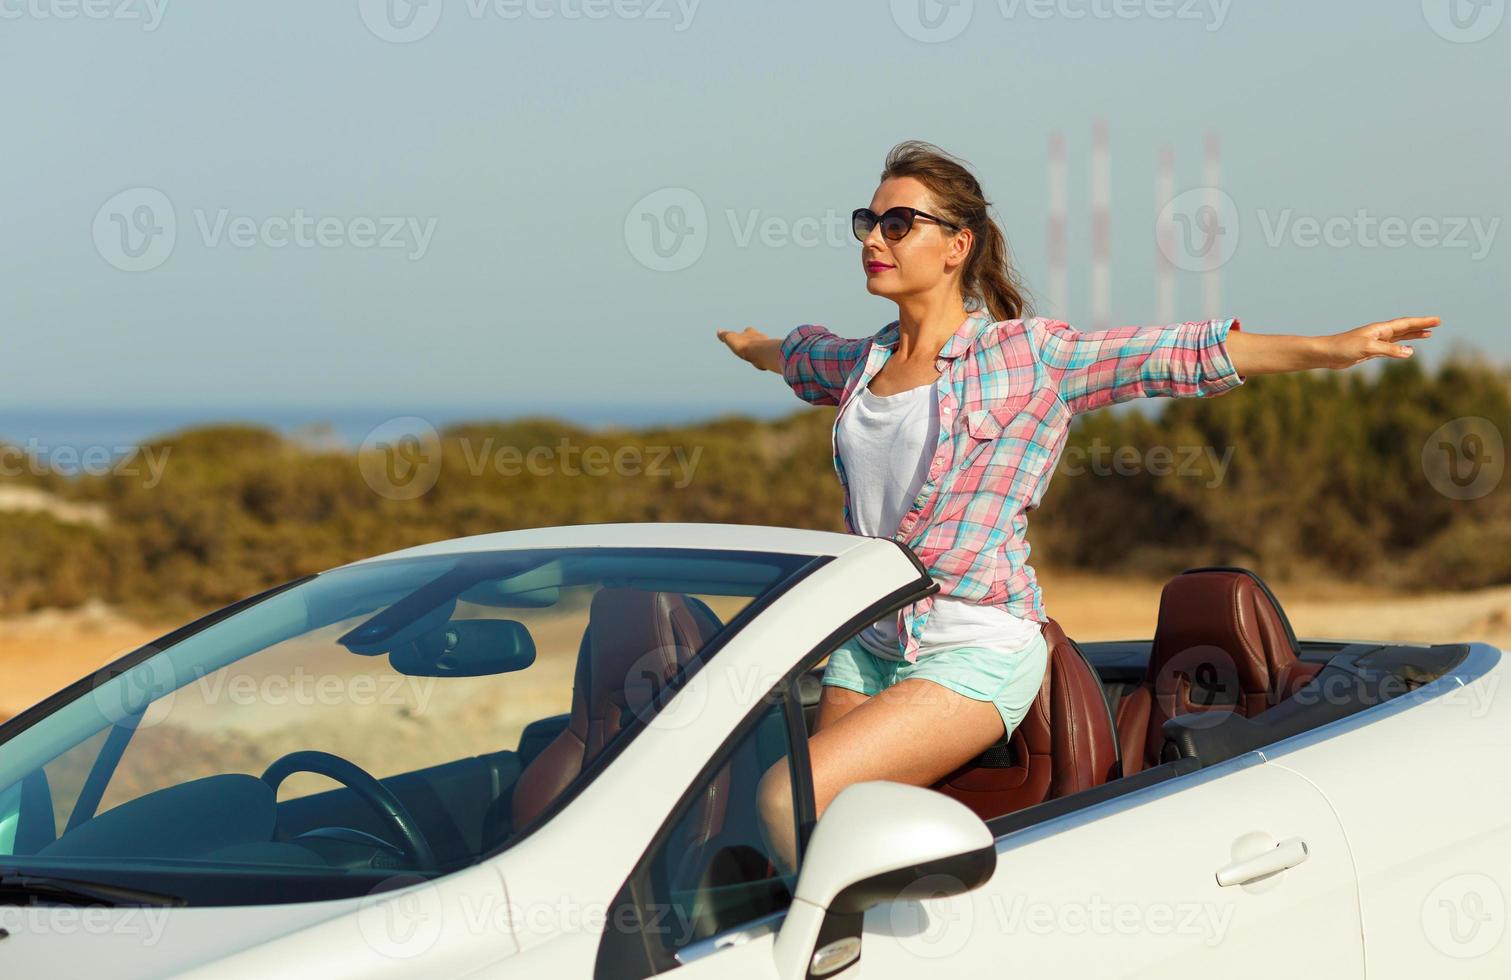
707, 899
1130, 887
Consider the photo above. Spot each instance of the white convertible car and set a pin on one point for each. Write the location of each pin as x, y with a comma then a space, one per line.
536, 753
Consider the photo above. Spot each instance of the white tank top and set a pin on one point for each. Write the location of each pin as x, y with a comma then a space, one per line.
886, 443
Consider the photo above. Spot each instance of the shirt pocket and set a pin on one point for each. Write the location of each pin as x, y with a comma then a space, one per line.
1040, 419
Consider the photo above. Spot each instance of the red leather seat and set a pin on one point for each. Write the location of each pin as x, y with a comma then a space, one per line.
1066, 743
635, 643
1222, 644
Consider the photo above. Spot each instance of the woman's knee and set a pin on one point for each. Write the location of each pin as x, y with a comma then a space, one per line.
774, 795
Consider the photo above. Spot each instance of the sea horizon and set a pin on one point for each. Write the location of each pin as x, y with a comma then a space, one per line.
82, 428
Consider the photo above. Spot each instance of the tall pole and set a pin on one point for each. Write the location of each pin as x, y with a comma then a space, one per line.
1059, 207
1211, 281
1101, 228
1164, 277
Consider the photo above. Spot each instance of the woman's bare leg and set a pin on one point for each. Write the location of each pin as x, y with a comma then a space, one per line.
834, 703
916, 732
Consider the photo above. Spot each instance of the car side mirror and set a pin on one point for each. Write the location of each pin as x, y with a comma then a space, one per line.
874, 841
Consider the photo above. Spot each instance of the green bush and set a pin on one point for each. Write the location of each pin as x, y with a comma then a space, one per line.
1317, 472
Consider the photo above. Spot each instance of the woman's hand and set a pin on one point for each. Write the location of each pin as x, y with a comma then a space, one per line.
1254, 353
764, 352
1344, 350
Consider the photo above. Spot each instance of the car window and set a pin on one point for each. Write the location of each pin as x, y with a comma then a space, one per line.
284, 733
715, 868
308, 692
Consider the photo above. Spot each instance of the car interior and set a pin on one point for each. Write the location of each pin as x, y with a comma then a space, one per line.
1223, 675
1110, 718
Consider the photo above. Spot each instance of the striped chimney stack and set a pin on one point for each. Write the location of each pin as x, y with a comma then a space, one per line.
1101, 228
1059, 208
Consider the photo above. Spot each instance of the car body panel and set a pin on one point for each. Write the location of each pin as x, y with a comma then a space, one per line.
719, 537
444, 928
1128, 888
1431, 831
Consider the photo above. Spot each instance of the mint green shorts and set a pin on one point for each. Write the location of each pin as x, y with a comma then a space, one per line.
1010, 681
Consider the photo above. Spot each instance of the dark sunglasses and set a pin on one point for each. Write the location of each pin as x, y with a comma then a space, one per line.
895, 222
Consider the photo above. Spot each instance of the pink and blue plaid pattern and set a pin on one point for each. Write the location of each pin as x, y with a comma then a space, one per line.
1007, 393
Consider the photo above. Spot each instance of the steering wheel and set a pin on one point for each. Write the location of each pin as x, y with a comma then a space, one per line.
366, 786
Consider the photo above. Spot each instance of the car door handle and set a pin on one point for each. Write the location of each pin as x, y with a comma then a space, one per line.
1286, 854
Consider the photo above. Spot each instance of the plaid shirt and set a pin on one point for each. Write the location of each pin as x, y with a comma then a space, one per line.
1007, 392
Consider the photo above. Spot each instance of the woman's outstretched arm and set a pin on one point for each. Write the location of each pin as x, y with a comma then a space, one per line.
755, 347
1197, 359
813, 361
1253, 353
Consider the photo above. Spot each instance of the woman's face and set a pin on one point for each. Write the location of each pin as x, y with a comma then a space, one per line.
921, 260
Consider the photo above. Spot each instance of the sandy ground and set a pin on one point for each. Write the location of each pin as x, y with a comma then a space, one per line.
45, 651
1099, 608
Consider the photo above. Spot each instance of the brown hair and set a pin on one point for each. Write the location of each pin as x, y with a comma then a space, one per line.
988, 278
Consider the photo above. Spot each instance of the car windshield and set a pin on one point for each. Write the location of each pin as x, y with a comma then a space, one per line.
374, 719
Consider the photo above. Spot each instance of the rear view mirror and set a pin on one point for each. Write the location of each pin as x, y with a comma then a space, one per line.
466, 648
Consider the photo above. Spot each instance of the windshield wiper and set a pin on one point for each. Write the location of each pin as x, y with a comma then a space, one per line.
20, 888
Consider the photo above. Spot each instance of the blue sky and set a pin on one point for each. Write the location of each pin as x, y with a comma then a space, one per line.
460, 218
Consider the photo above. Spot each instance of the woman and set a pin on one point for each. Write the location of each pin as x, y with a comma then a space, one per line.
950, 421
